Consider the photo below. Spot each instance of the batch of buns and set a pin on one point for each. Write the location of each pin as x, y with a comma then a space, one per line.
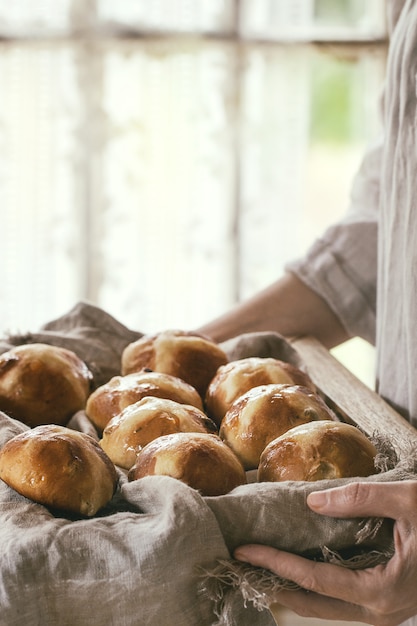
178, 408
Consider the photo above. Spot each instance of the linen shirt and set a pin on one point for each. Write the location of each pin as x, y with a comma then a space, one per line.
365, 266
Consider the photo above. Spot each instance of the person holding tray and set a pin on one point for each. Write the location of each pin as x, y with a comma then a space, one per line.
359, 279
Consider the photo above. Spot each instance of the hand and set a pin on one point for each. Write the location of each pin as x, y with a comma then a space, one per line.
384, 595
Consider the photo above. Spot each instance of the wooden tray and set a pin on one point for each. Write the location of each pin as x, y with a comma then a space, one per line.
351, 399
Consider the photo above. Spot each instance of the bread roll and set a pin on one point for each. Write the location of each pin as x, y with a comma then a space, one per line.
202, 461
189, 356
140, 423
43, 384
237, 377
316, 451
60, 468
119, 392
265, 412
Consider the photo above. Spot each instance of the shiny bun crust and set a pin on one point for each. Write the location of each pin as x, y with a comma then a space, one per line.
266, 412
316, 451
237, 377
121, 391
59, 468
140, 423
189, 356
201, 461
42, 384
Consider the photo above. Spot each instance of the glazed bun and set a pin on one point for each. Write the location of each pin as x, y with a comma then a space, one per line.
119, 392
140, 423
316, 451
202, 461
237, 377
60, 468
43, 384
189, 356
266, 412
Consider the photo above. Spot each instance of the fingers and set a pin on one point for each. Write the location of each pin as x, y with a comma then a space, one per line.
311, 605
331, 592
261, 556
322, 578
367, 499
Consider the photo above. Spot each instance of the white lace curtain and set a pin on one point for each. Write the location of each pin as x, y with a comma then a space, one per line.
161, 159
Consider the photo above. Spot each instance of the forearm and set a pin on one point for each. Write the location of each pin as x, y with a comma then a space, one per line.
288, 307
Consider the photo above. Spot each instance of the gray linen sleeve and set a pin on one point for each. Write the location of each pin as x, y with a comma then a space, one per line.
341, 266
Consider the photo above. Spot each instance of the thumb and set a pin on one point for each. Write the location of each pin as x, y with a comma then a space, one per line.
363, 499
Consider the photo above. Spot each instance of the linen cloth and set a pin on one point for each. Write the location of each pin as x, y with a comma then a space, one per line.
160, 553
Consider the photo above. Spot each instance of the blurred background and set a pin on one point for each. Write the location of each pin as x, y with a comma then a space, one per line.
164, 159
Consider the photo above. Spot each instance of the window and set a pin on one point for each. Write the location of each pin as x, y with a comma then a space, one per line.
165, 159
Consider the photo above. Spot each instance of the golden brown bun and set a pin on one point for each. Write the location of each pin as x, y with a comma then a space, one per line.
265, 412
201, 461
42, 384
194, 358
237, 377
59, 468
316, 451
121, 391
140, 423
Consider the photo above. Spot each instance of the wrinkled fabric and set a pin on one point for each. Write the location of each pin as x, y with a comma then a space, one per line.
137, 563
94, 335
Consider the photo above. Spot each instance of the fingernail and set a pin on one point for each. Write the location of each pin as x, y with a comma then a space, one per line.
240, 555
317, 499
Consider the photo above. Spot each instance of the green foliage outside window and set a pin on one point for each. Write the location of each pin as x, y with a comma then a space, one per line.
332, 100
347, 12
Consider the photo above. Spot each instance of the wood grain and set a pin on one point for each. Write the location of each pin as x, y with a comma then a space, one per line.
350, 398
